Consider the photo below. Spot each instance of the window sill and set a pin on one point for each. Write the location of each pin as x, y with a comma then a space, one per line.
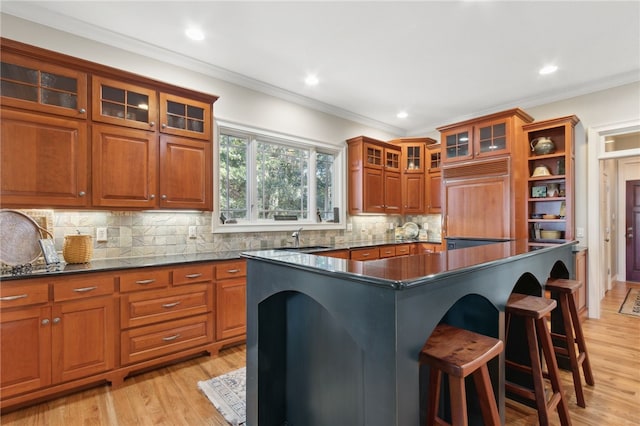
274, 227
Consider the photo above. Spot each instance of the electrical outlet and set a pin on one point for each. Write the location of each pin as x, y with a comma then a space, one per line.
101, 235
192, 232
580, 232
349, 227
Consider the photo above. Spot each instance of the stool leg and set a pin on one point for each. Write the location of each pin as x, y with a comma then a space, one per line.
536, 372
458, 401
486, 396
582, 347
571, 348
554, 375
435, 377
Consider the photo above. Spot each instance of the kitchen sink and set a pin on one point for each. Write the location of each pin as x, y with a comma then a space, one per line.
303, 249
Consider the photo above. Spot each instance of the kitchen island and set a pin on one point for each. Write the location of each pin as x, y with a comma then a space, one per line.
334, 341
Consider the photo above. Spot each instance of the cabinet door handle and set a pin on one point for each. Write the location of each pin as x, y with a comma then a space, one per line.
193, 275
170, 305
56, 320
82, 111
170, 338
233, 271
84, 289
11, 298
45, 321
145, 282
82, 193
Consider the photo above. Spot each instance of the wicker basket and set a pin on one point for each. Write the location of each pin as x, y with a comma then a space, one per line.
77, 248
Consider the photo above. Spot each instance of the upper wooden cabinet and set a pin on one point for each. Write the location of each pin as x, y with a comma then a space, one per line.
44, 160
150, 144
483, 137
123, 104
414, 162
374, 176
433, 186
36, 85
182, 116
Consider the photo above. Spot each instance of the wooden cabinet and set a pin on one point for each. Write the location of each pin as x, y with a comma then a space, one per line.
374, 176
123, 104
367, 253
433, 186
186, 173
130, 162
414, 163
338, 254
231, 300
171, 311
182, 116
550, 196
583, 277
44, 160
37, 85
486, 136
49, 341
124, 165
422, 248
482, 161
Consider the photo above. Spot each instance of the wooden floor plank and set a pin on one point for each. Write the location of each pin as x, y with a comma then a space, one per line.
170, 396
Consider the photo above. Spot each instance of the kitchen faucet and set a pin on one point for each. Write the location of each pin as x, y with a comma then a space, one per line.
296, 237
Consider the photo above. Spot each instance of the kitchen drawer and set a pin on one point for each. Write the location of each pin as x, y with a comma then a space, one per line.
23, 294
192, 274
233, 269
403, 250
145, 279
144, 343
146, 307
365, 254
82, 287
387, 251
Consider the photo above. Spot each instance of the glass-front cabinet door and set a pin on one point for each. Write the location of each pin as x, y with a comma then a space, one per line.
392, 159
39, 86
373, 156
492, 138
123, 104
457, 144
185, 117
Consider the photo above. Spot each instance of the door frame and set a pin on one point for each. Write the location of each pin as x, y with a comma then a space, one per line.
595, 238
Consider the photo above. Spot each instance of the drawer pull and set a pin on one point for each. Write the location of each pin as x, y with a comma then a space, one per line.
170, 338
170, 305
233, 271
16, 297
84, 289
144, 282
365, 254
193, 276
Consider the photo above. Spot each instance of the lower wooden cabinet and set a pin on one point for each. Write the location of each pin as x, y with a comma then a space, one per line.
61, 333
582, 276
231, 300
49, 341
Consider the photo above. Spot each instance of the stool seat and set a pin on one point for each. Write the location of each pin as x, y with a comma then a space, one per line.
533, 311
563, 336
460, 353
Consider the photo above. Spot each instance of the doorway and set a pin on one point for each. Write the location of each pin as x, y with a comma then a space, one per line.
632, 230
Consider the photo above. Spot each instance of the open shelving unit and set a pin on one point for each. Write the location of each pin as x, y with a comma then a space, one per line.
551, 198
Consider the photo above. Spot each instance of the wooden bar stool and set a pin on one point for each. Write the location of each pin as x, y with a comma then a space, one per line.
533, 310
564, 341
459, 353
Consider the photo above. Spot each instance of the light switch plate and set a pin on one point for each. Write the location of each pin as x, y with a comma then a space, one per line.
101, 234
192, 232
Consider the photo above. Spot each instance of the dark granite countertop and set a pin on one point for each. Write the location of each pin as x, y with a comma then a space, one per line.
104, 265
407, 271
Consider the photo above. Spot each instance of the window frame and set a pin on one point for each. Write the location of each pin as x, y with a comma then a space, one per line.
262, 225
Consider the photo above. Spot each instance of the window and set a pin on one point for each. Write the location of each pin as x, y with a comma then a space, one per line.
275, 182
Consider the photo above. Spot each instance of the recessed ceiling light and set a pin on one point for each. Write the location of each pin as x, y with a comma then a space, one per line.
194, 33
402, 114
548, 69
311, 80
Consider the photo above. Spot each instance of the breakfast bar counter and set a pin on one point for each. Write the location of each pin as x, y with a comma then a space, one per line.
334, 341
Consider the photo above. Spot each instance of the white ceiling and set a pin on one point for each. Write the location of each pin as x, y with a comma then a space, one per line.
440, 61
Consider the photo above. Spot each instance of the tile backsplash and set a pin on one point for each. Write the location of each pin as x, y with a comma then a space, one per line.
135, 234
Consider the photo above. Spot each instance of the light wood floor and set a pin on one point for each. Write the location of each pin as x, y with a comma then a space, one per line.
169, 396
